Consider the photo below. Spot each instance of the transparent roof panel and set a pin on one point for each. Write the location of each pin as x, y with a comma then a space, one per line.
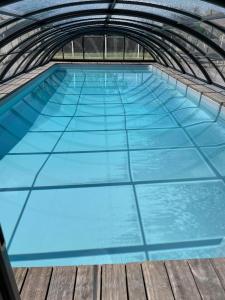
4, 18
174, 28
198, 7
59, 11
27, 6
77, 20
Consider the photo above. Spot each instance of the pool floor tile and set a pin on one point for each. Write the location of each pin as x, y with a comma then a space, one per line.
151, 108
208, 134
92, 141
58, 110
87, 168
152, 121
86, 219
216, 156
168, 164
99, 99
11, 204
69, 90
191, 116
182, 212
90, 110
19, 170
97, 123
99, 91
34, 142
62, 99
158, 138
178, 103
44, 123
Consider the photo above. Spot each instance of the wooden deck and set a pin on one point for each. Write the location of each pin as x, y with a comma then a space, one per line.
190, 279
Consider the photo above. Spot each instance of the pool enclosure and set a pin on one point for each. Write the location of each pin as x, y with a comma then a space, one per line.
187, 36
120, 106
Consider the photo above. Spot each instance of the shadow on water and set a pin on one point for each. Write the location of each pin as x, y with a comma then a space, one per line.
116, 250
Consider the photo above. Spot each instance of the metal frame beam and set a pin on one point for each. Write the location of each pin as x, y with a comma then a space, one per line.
170, 40
121, 12
49, 28
46, 45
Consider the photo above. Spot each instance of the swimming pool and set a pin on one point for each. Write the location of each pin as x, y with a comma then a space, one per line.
111, 164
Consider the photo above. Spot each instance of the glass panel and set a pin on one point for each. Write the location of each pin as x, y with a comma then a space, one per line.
201, 17
4, 18
133, 50
13, 68
93, 47
27, 6
114, 47
67, 49
109, 47
59, 54
80, 8
147, 55
78, 48
20, 64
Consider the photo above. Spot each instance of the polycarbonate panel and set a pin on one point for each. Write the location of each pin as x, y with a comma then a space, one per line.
196, 7
133, 50
114, 47
78, 48
147, 55
109, 47
59, 54
19, 65
17, 41
75, 20
67, 50
7, 32
79, 8
27, 6
35, 60
93, 47
202, 18
4, 18
7, 59
13, 68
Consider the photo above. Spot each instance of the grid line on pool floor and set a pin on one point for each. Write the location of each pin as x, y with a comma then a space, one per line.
197, 147
199, 150
34, 180
132, 182
105, 184
131, 152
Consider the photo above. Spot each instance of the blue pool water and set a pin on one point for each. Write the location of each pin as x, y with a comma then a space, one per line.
103, 164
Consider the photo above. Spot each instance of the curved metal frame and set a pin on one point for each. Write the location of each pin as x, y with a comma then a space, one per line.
162, 46
165, 37
144, 32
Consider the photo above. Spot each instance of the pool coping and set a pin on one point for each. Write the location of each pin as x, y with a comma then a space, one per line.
215, 93
210, 91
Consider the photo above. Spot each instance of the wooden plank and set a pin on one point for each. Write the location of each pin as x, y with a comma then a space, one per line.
156, 281
88, 283
206, 279
36, 284
20, 275
135, 282
182, 281
219, 265
62, 283
114, 282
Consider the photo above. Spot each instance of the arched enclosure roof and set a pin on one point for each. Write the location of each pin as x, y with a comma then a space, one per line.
188, 36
